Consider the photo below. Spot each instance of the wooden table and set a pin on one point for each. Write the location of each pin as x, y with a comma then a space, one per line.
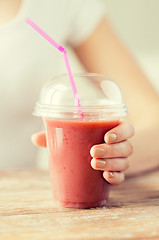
27, 210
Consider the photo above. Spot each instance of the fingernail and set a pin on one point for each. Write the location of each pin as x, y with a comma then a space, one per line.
98, 152
111, 138
111, 174
100, 164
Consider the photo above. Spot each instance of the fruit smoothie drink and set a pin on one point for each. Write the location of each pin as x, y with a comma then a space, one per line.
75, 183
72, 129
77, 110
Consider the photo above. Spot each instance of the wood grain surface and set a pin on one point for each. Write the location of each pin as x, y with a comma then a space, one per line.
27, 210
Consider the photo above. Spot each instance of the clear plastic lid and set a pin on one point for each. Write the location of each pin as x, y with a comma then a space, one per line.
100, 98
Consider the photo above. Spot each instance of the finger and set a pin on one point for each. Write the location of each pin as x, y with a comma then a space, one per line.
120, 133
114, 178
39, 139
117, 150
115, 164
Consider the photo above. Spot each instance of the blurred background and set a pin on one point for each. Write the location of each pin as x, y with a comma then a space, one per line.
136, 23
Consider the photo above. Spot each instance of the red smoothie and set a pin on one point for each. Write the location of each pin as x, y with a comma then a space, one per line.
75, 183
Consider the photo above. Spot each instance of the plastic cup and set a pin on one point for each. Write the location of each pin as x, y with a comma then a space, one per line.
70, 136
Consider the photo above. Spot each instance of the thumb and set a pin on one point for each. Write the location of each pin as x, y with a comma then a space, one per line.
39, 139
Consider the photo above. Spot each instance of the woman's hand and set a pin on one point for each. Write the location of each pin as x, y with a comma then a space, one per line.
112, 156
39, 139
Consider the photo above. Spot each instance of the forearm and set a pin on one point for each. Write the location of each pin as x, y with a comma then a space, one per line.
146, 151
104, 53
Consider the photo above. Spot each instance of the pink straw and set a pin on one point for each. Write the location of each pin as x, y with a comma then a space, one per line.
63, 51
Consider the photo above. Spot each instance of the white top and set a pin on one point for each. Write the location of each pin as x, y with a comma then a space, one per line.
27, 61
